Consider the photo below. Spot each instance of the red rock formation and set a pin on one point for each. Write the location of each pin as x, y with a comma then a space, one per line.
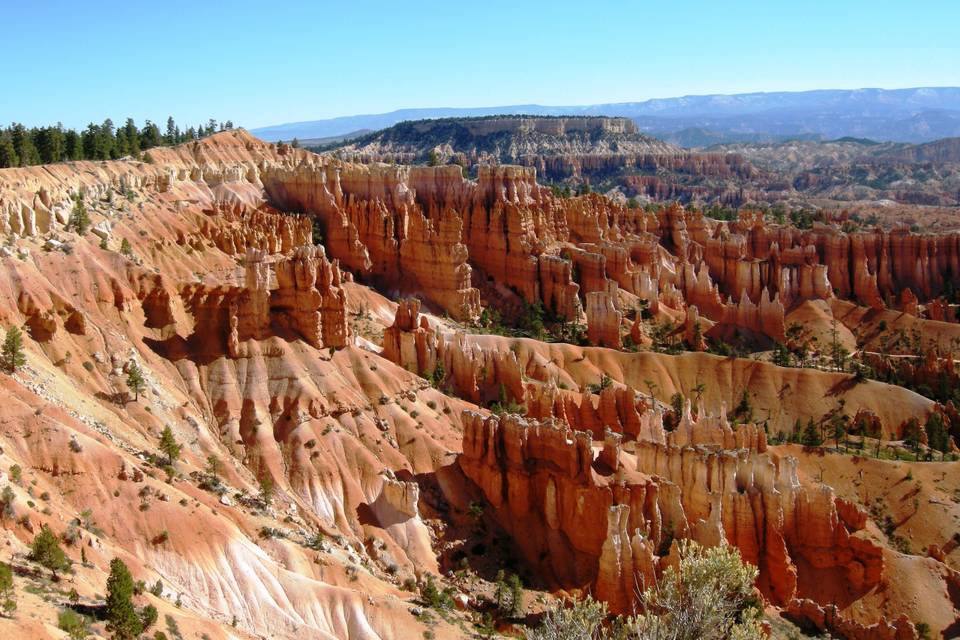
544, 482
410, 342
603, 320
827, 618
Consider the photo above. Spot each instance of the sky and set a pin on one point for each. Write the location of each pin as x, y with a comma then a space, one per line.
263, 63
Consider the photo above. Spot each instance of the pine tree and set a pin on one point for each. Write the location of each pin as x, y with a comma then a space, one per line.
79, 220
106, 144
122, 618
23, 145
7, 512
266, 489
74, 145
125, 248
501, 594
7, 595
811, 435
516, 595
135, 381
45, 550
937, 436
12, 355
132, 135
169, 445
148, 616
839, 431
8, 154
149, 136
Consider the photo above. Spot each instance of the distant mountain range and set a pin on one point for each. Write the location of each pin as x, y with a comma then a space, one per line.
899, 115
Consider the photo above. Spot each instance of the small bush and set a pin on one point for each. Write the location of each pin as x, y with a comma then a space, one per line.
435, 597
74, 624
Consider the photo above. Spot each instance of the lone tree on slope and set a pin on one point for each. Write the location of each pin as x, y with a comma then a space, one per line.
45, 550
122, 618
12, 354
135, 381
169, 445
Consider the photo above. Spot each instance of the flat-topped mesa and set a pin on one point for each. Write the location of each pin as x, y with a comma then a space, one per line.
588, 520
550, 126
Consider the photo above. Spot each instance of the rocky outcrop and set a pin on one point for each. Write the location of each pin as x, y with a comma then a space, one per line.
827, 618
603, 320
308, 302
606, 521
265, 230
410, 342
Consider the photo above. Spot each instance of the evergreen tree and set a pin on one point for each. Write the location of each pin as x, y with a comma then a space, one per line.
132, 135
911, 434
516, 595
169, 445
8, 154
74, 624
7, 512
8, 602
149, 136
744, 409
74, 145
135, 381
12, 355
106, 144
266, 489
23, 145
811, 435
122, 143
171, 137
45, 550
50, 144
148, 616
125, 248
122, 618
89, 137
937, 436
839, 430
79, 219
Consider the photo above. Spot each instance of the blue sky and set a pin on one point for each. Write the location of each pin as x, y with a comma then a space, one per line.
261, 63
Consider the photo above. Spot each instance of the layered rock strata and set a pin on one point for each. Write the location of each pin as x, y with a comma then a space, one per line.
554, 490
